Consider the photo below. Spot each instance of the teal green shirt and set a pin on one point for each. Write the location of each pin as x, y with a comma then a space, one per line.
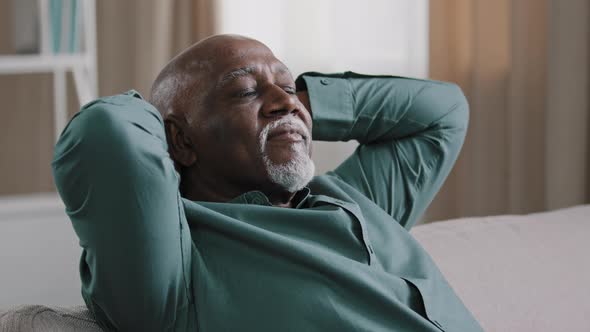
342, 260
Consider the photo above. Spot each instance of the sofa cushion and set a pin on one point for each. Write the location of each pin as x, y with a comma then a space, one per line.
517, 273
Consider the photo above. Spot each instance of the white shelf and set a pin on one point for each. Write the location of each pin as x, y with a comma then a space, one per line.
82, 65
37, 63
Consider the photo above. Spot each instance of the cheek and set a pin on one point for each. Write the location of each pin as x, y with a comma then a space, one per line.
307, 118
234, 136
240, 130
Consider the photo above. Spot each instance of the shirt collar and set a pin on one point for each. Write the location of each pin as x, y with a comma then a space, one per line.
259, 198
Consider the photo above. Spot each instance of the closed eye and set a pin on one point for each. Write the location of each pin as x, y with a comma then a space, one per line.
247, 93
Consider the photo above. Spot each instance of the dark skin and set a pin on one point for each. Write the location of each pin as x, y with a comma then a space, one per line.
214, 122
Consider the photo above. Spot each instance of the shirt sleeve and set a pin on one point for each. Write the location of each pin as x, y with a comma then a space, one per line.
410, 133
120, 189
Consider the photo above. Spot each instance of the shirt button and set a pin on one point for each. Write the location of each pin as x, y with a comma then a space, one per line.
325, 81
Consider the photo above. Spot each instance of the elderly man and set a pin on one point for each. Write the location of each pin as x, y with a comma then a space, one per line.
199, 211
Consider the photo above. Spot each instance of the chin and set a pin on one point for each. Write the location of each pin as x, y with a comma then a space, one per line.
285, 154
293, 174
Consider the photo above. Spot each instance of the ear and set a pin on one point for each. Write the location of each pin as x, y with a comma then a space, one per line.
180, 145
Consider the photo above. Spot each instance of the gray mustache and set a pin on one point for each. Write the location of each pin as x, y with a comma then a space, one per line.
293, 123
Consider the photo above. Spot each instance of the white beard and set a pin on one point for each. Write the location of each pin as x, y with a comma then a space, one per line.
296, 173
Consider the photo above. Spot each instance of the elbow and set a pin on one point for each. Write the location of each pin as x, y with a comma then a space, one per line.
88, 130
458, 107
453, 106
89, 144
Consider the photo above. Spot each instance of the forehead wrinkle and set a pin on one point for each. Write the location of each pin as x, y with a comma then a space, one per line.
278, 68
282, 69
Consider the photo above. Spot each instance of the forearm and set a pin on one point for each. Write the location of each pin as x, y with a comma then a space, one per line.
377, 108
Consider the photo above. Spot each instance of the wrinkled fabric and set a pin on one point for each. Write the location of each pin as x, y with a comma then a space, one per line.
39, 318
342, 260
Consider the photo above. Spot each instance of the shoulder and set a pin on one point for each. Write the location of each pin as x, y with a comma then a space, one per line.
130, 98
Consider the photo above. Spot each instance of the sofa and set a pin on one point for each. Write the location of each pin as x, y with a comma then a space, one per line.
514, 272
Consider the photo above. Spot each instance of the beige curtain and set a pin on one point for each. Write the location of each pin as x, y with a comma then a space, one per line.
138, 37
524, 67
135, 39
25, 122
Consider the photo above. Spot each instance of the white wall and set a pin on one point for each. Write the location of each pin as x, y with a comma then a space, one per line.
39, 252
370, 37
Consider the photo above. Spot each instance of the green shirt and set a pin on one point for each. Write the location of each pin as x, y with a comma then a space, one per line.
342, 260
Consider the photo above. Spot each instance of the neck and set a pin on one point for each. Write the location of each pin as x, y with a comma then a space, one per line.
280, 198
210, 189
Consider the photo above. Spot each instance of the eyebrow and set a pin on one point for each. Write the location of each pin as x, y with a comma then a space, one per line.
235, 74
246, 71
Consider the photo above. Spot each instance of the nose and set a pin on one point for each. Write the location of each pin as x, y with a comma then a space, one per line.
279, 103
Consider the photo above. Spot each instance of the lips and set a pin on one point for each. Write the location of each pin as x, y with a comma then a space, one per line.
287, 133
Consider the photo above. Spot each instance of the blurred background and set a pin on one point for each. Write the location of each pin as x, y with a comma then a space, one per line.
523, 65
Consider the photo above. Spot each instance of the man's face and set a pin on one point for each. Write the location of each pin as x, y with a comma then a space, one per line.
251, 127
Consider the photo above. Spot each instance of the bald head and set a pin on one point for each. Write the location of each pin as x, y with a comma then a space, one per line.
187, 78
